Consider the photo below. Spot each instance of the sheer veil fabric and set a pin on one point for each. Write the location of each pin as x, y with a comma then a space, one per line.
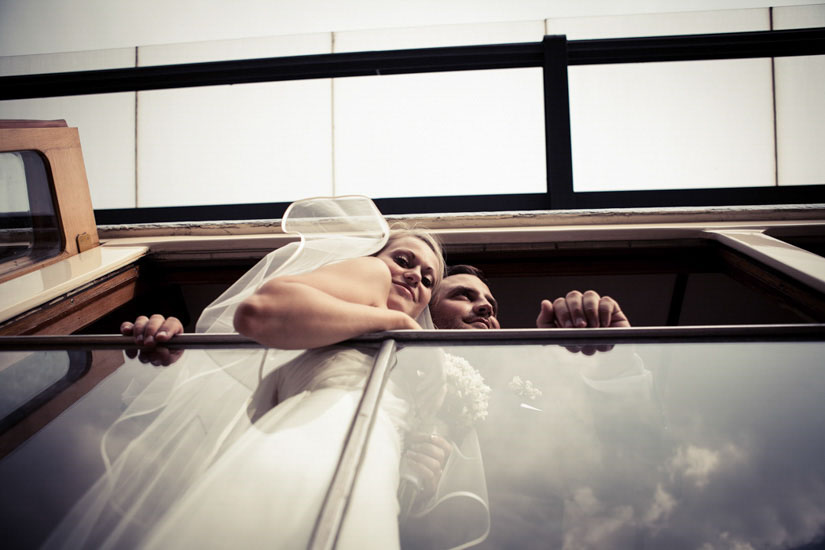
259, 427
190, 413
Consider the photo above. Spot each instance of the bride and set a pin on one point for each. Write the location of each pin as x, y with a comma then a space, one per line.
238, 447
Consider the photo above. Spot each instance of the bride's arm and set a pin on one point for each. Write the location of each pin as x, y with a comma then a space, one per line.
328, 305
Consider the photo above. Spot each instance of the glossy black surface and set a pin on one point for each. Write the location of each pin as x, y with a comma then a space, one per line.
653, 446
678, 445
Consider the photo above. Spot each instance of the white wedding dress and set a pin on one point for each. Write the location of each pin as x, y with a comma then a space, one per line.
267, 489
239, 445
237, 448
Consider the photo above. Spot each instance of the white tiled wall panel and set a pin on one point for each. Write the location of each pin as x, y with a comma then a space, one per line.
234, 144
670, 125
800, 104
105, 122
247, 48
461, 133
661, 24
71, 61
246, 143
439, 36
644, 126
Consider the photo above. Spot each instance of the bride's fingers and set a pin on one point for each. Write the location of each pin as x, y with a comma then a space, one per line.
425, 460
432, 445
436, 453
427, 478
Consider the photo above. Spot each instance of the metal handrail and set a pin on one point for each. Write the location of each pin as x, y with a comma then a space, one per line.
592, 336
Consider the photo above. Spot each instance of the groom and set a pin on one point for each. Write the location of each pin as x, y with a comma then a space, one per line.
464, 301
517, 441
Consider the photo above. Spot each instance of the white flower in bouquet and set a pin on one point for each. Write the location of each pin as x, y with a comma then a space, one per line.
463, 398
467, 396
524, 388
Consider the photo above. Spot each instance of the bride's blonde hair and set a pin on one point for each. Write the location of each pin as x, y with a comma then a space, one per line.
399, 230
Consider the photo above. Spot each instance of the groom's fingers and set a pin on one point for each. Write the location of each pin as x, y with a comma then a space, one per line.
546, 318
590, 307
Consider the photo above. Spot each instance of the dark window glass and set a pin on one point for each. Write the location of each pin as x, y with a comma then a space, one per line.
685, 445
29, 228
655, 445
30, 379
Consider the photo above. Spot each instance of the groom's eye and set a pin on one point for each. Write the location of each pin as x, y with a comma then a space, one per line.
462, 295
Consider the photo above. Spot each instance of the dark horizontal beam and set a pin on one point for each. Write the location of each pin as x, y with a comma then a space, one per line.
457, 58
302, 67
791, 194
730, 196
739, 45
274, 210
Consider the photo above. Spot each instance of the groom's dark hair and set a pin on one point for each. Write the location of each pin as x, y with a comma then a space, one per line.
464, 269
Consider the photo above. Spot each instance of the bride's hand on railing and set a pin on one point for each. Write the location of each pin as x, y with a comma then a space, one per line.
150, 334
427, 456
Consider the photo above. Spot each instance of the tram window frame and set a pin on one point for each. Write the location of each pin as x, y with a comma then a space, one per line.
31, 233
57, 187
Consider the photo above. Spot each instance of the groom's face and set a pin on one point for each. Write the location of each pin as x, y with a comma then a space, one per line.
463, 302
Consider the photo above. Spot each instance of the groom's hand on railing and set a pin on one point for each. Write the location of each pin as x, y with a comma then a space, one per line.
150, 334
582, 310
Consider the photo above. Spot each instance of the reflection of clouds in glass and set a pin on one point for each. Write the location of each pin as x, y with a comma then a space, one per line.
697, 464
726, 542
730, 456
661, 507
591, 524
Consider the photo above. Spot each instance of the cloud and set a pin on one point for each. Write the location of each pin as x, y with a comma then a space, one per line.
661, 507
591, 524
698, 464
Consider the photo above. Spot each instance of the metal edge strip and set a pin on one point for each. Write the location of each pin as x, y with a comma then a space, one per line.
331, 517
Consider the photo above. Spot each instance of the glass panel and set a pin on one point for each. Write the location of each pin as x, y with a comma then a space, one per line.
398, 38
29, 379
685, 125
131, 447
800, 117
251, 143
647, 445
264, 143
105, 122
661, 24
800, 107
713, 445
29, 231
460, 133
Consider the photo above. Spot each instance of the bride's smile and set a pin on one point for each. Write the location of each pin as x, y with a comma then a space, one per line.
412, 267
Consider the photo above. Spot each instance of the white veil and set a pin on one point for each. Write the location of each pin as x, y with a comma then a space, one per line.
330, 230
170, 433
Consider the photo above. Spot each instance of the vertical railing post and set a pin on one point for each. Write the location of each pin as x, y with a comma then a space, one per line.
559, 153
331, 517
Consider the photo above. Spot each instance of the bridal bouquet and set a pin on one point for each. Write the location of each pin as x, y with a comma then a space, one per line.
467, 395
463, 400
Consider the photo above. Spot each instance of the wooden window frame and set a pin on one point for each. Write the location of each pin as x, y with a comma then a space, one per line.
59, 146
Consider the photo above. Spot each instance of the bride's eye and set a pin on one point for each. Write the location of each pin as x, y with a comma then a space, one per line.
402, 261
427, 282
